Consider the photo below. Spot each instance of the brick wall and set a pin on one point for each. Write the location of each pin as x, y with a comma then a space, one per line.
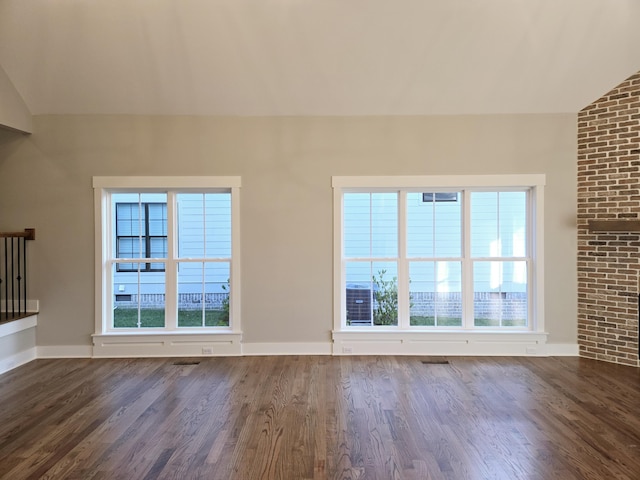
609, 189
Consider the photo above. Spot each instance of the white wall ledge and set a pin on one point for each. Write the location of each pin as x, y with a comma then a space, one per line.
471, 343
166, 344
14, 326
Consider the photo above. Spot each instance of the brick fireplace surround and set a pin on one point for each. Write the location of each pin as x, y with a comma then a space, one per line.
609, 225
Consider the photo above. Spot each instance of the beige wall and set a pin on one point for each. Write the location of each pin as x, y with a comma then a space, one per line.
286, 166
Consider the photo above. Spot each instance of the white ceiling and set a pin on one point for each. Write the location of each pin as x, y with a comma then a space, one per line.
317, 57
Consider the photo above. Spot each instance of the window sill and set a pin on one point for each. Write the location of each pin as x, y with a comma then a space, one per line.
167, 344
151, 331
367, 341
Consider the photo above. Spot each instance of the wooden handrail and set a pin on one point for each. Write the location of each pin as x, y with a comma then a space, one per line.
28, 234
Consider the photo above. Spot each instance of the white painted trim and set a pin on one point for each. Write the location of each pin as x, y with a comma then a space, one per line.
533, 182
339, 295
537, 254
200, 182
104, 186
440, 343
444, 181
64, 351
13, 327
102, 218
163, 344
17, 359
317, 348
235, 315
563, 350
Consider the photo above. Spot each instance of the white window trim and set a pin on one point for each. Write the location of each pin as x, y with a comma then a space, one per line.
183, 342
412, 341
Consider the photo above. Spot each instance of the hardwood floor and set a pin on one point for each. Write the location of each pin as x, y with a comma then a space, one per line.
320, 418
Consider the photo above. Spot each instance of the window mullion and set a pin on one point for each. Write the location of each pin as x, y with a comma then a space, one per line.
147, 237
403, 266
171, 266
467, 263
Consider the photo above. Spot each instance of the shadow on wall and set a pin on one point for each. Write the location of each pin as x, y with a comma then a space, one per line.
10, 140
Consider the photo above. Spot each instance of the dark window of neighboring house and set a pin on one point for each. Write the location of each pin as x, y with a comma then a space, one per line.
141, 233
440, 197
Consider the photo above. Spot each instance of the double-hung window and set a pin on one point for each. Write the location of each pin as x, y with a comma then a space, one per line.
438, 253
168, 254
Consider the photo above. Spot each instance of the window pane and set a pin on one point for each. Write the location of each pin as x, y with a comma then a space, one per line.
384, 224
500, 294
139, 298
372, 293
370, 225
435, 294
203, 294
217, 293
138, 219
359, 293
434, 224
498, 224
357, 225
513, 223
204, 225
190, 225
218, 225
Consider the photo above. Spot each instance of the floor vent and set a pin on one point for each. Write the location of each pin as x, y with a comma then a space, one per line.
187, 362
435, 361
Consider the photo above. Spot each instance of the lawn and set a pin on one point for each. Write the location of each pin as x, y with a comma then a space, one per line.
154, 317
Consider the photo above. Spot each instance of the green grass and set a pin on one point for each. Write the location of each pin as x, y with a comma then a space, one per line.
427, 321
154, 318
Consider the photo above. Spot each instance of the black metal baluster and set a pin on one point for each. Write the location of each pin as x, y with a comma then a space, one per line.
19, 278
6, 279
24, 275
13, 281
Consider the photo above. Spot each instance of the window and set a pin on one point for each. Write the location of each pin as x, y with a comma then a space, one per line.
439, 255
168, 254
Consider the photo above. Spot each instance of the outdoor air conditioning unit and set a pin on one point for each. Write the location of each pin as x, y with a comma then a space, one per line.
359, 306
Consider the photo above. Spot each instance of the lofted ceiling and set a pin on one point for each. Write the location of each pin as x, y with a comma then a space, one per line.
316, 57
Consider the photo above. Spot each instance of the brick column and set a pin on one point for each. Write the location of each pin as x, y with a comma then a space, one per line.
609, 189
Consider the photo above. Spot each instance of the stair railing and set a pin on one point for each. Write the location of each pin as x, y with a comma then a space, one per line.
13, 273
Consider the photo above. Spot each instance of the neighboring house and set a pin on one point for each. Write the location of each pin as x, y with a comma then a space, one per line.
141, 232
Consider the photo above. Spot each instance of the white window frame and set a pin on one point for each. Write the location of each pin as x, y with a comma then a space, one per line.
170, 340
405, 339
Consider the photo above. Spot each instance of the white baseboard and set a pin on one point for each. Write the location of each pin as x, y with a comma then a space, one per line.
20, 358
563, 350
317, 348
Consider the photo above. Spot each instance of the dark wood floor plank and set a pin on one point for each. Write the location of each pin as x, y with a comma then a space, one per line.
317, 418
